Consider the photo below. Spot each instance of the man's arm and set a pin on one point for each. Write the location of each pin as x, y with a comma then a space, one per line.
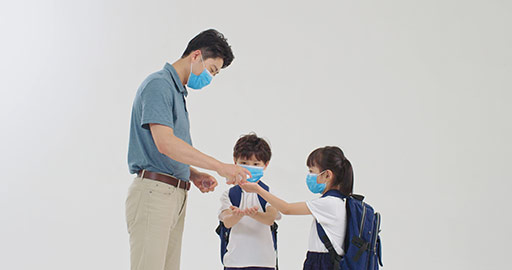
170, 145
177, 149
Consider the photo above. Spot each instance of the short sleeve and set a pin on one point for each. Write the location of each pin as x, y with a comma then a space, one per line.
157, 104
279, 216
225, 203
330, 212
324, 209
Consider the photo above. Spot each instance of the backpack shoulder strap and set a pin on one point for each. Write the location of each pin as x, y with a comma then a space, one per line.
335, 257
334, 193
263, 203
235, 195
273, 227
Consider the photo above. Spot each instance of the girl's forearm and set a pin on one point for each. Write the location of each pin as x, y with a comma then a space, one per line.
298, 208
281, 205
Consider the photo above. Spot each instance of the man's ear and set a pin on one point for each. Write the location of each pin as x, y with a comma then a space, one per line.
195, 55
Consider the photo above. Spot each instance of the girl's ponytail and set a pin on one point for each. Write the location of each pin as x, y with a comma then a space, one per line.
347, 182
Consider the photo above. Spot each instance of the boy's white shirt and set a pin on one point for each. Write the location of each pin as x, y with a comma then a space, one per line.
330, 212
250, 241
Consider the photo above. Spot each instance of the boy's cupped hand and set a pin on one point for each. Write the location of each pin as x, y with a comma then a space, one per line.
245, 212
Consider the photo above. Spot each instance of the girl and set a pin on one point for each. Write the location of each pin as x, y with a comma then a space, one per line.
329, 169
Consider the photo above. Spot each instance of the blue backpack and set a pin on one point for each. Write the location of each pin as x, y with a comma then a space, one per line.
235, 196
362, 243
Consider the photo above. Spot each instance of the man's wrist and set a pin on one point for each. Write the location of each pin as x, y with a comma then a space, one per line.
193, 173
217, 166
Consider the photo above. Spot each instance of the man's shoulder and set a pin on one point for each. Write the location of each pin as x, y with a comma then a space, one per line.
156, 81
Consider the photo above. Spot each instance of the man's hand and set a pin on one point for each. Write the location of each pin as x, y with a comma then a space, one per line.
203, 181
233, 173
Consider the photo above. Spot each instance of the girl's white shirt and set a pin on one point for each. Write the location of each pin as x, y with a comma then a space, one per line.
330, 212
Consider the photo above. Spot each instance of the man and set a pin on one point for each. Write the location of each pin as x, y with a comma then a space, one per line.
161, 154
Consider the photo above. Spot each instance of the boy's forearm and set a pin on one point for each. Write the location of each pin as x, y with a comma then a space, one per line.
266, 218
230, 220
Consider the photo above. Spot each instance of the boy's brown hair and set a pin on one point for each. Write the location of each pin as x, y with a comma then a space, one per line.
251, 145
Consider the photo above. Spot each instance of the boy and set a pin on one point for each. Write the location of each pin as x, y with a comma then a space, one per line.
250, 240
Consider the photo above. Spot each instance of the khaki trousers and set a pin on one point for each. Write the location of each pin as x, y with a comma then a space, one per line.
155, 215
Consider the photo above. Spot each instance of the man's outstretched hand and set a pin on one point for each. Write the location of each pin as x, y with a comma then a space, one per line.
233, 173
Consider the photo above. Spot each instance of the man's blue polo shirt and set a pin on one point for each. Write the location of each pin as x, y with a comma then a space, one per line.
159, 100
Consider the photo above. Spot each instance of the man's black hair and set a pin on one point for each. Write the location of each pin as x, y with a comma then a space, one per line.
212, 44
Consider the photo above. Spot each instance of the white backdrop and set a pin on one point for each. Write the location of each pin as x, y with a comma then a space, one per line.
417, 93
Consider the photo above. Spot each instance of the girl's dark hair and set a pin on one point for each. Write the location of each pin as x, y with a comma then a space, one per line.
251, 144
332, 158
212, 44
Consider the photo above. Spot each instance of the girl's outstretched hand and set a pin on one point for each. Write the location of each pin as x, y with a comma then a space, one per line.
250, 187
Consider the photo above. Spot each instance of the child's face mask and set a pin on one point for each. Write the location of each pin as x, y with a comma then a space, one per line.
313, 185
256, 172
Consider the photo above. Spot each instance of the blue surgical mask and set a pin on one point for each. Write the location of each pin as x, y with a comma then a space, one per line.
256, 172
199, 81
313, 185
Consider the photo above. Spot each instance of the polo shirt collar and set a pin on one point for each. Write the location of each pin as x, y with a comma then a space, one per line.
174, 75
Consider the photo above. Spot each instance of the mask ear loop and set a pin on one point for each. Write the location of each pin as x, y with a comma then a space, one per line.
204, 66
202, 61
190, 74
320, 174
